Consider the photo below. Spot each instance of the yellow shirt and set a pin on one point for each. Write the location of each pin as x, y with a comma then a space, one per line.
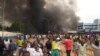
20, 43
54, 45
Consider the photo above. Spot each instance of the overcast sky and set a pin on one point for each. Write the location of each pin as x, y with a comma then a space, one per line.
88, 10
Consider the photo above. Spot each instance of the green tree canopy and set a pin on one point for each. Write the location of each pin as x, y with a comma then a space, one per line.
17, 26
0, 27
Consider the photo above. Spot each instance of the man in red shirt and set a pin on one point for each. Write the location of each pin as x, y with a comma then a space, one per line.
68, 45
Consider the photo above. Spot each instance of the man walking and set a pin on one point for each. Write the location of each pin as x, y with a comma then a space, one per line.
68, 45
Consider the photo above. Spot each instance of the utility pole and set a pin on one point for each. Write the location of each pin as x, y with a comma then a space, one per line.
3, 17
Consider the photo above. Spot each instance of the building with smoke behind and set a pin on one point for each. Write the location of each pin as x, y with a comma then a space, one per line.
89, 27
43, 15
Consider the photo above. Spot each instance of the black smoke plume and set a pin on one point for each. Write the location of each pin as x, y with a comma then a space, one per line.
40, 18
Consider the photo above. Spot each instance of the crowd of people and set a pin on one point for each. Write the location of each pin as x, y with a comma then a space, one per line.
50, 45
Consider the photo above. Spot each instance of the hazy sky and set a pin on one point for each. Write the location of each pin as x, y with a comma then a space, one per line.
88, 10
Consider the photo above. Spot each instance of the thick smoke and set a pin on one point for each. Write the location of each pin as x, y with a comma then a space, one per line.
61, 15
41, 15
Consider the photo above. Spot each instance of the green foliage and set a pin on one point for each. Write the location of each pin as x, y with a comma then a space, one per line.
0, 27
17, 26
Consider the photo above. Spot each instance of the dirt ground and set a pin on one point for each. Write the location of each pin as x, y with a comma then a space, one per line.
89, 51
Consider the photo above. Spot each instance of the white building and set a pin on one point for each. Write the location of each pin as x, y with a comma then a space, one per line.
95, 26
97, 22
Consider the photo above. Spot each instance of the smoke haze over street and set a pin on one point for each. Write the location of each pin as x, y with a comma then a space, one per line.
43, 15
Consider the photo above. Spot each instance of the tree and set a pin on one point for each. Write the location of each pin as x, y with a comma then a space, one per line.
0, 27
17, 26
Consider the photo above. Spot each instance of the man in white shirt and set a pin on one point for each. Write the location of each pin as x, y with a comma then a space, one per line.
7, 42
96, 48
31, 50
39, 52
35, 51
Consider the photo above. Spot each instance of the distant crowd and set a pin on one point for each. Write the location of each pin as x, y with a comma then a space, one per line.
50, 45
